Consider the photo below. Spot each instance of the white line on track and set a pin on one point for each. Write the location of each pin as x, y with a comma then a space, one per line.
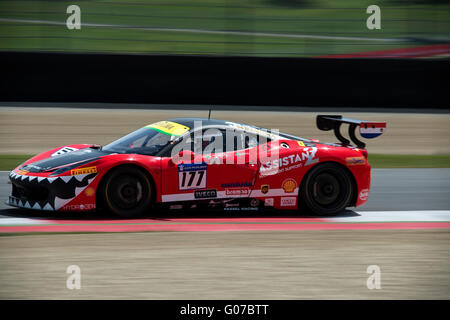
20, 221
400, 216
203, 31
363, 216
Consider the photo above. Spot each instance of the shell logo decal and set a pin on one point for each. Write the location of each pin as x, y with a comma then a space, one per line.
289, 185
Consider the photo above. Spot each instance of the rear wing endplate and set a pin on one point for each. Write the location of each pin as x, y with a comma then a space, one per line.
367, 129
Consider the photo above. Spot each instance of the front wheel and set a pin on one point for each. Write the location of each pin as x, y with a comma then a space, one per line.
127, 192
327, 189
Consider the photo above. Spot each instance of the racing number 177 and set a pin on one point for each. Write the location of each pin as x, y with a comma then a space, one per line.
192, 179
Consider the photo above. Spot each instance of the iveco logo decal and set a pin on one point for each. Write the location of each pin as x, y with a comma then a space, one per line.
205, 193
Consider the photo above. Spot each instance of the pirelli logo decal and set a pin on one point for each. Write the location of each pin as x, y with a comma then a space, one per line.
83, 171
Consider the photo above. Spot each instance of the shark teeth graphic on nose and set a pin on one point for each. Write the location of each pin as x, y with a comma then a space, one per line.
80, 177
61, 190
59, 203
66, 179
79, 190
35, 205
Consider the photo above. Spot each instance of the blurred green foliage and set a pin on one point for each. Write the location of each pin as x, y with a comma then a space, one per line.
222, 27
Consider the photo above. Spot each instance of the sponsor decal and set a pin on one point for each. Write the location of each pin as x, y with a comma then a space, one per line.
86, 170
288, 201
289, 185
168, 127
237, 191
355, 161
254, 202
300, 143
63, 150
284, 145
75, 207
241, 209
236, 184
89, 192
264, 188
231, 205
308, 157
200, 194
192, 176
232, 209
364, 194
268, 202
249, 209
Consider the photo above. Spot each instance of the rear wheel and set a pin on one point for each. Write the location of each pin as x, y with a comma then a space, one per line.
327, 189
127, 192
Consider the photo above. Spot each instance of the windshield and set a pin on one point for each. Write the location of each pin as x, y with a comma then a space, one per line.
148, 140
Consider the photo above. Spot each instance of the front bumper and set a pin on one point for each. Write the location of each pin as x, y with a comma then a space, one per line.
45, 192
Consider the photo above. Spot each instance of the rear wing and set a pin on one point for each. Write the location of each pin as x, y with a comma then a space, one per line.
367, 129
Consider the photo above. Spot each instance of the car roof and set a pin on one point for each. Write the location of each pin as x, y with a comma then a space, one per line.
189, 122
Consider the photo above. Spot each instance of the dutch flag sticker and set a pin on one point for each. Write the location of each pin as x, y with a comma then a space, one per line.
370, 130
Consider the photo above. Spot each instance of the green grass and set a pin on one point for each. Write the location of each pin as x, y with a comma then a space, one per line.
9, 162
409, 161
324, 17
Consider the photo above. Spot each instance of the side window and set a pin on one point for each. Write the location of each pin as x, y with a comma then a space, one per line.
247, 140
210, 140
213, 141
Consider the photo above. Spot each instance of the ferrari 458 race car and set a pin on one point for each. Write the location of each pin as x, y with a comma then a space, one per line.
186, 163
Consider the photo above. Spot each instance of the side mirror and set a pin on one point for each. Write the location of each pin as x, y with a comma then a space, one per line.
183, 156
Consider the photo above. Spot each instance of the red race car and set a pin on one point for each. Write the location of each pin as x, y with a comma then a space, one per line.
192, 162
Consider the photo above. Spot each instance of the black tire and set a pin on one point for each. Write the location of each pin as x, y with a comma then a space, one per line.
127, 192
326, 190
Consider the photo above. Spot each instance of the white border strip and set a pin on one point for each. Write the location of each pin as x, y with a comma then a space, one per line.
221, 32
396, 216
188, 196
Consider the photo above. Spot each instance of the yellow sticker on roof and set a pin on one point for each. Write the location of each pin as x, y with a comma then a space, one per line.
169, 127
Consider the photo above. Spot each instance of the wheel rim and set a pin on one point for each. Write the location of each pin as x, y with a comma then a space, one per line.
326, 189
126, 191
